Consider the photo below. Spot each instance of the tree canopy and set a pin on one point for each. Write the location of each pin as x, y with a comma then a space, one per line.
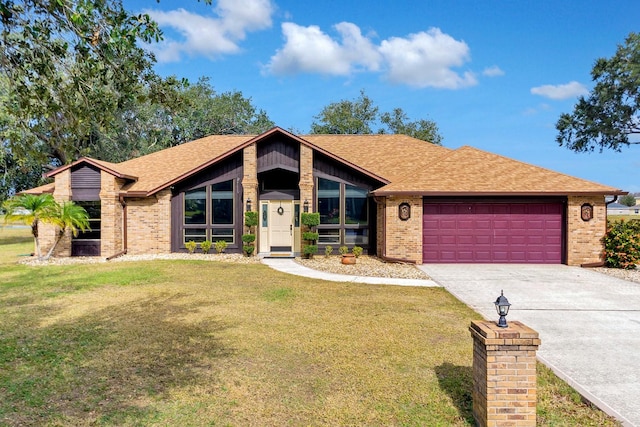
362, 116
609, 117
74, 82
628, 200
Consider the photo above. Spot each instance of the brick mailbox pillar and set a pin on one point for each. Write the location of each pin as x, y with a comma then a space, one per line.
504, 374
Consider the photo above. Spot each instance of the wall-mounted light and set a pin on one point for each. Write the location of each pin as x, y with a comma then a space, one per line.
248, 206
305, 205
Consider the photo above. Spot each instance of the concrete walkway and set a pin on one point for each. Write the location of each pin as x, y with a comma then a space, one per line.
288, 265
589, 323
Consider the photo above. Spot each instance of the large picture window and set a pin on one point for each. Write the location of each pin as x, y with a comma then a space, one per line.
209, 213
94, 213
344, 213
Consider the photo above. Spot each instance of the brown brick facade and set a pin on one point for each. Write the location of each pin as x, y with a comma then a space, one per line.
149, 224
47, 232
306, 175
402, 239
584, 238
504, 374
112, 211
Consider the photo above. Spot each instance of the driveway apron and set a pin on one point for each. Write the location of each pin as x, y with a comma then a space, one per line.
589, 323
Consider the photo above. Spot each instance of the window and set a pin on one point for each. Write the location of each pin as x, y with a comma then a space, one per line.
344, 214
94, 212
195, 205
209, 213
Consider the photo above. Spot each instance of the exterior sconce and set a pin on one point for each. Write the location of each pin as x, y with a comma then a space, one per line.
586, 212
404, 211
502, 307
248, 206
305, 205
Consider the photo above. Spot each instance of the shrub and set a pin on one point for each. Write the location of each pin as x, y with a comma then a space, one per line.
310, 250
206, 246
622, 244
328, 250
248, 238
343, 250
310, 236
357, 251
221, 245
191, 246
310, 219
251, 219
248, 249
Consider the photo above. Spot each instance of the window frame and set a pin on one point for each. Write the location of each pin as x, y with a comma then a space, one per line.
208, 225
342, 227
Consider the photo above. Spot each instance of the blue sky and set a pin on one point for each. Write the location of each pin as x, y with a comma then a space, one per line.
495, 75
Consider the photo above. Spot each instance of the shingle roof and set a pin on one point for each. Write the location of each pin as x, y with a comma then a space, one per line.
408, 165
468, 170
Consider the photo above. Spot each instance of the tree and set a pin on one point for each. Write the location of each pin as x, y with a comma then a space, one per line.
71, 65
346, 117
361, 116
609, 118
31, 210
628, 200
67, 216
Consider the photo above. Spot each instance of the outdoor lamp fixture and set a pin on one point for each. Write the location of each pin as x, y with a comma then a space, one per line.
502, 307
248, 207
305, 205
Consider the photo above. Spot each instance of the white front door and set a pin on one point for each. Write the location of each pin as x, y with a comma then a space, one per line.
281, 226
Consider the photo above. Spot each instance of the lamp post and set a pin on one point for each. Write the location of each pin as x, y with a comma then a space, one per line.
248, 206
502, 307
305, 205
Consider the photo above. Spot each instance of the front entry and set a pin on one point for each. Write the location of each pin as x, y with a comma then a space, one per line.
277, 228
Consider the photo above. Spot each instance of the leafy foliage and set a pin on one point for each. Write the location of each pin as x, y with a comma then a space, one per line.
628, 200
206, 246
357, 251
310, 219
251, 218
191, 246
221, 245
42, 208
361, 116
622, 244
611, 113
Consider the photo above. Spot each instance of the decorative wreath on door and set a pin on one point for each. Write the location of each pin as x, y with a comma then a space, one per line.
280, 210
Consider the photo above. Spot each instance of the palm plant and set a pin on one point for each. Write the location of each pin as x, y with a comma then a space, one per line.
67, 216
31, 210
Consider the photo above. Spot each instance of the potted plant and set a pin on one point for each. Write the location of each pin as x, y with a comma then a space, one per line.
310, 220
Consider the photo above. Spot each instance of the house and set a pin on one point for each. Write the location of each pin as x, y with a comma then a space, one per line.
395, 196
619, 209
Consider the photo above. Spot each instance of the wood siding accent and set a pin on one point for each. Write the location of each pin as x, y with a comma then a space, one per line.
325, 167
278, 154
85, 184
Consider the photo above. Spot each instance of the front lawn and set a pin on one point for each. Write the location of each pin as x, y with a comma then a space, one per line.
195, 343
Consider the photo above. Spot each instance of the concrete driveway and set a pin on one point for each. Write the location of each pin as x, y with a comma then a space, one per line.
589, 323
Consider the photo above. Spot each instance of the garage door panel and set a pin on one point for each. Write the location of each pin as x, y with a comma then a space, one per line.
493, 232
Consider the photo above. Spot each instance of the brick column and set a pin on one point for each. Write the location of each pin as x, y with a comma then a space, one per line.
306, 176
504, 374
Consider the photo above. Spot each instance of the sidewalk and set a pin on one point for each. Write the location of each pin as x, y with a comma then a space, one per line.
288, 265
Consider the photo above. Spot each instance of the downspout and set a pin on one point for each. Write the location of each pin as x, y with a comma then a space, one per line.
124, 230
615, 198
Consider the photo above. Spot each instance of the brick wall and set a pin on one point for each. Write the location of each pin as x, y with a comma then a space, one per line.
306, 176
111, 230
403, 239
250, 176
149, 224
584, 243
380, 225
504, 374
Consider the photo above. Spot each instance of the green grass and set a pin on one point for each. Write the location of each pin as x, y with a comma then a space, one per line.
209, 344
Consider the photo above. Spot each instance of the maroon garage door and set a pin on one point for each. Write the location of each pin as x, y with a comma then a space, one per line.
492, 232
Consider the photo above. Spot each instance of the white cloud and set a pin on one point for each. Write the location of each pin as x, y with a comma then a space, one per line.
493, 71
427, 59
207, 36
566, 91
308, 49
421, 60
